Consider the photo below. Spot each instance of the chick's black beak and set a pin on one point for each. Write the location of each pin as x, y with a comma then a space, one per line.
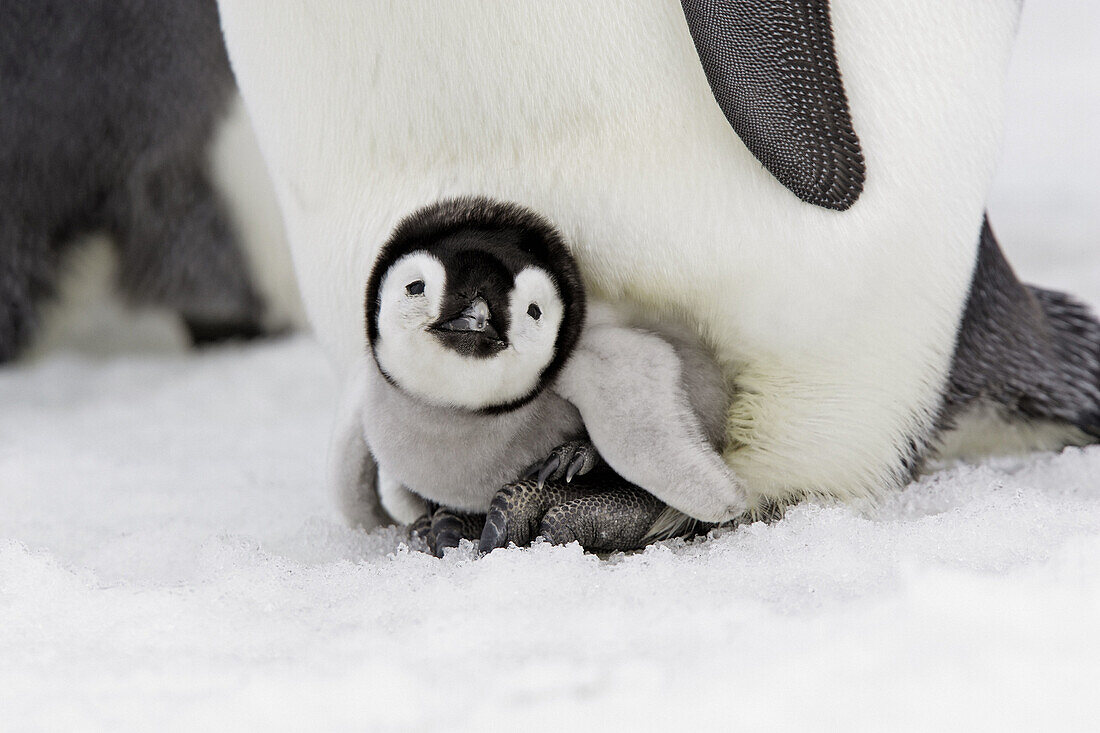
473, 319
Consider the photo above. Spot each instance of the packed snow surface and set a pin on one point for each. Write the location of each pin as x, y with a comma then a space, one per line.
170, 559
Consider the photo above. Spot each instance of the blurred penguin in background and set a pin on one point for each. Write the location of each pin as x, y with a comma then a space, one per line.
111, 114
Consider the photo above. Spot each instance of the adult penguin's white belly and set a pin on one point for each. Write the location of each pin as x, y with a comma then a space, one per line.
836, 328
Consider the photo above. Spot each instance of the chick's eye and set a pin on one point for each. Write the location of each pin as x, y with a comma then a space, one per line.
416, 287
534, 311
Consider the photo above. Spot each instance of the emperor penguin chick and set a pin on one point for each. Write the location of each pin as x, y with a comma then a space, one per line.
482, 364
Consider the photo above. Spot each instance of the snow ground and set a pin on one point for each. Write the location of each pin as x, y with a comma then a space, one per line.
169, 558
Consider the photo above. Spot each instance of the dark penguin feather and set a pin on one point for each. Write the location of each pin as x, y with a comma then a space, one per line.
107, 111
1033, 353
773, 70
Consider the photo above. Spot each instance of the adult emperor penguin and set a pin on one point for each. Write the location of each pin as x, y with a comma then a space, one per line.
803, 180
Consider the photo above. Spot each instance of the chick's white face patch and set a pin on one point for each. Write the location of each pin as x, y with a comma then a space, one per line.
413, 357
411, 295
536, 315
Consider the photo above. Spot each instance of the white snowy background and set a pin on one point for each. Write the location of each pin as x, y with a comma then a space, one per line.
170, 560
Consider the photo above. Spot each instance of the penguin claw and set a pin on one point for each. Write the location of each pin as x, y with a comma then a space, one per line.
575, 466
566, 462
548, 469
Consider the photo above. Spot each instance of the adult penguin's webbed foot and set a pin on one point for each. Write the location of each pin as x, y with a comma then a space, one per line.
441, 528
602, 512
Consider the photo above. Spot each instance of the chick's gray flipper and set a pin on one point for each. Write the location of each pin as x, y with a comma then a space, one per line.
626, 384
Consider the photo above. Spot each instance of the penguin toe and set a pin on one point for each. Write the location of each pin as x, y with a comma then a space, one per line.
418, 530
446, 528
559, 527
604, 513
617, 518
515, 512
495, 533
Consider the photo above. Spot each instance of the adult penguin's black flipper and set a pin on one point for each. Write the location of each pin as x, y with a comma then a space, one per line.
773, 70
